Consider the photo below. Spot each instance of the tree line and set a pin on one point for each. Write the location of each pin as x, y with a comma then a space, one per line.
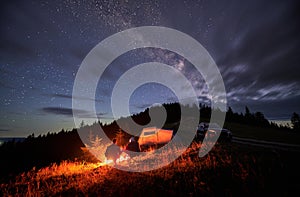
66, 145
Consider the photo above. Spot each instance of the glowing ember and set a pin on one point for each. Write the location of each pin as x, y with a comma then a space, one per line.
123, 157
108, 161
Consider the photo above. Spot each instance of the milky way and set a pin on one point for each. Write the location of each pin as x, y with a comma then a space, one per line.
42, 44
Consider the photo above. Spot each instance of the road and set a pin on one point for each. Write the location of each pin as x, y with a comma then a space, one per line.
267, 144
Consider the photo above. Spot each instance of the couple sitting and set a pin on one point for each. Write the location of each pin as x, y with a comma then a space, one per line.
113, 151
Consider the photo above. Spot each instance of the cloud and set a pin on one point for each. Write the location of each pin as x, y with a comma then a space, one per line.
60, 111
259, 62
75, 97
272, 109
69, 112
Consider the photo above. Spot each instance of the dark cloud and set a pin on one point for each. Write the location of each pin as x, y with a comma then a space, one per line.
69, 112
263, 57
60, 111
70, 97
275, 109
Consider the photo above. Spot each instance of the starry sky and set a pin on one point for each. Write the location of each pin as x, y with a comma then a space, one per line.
42, 44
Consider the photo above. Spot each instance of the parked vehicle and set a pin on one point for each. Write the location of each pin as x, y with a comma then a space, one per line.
202, 131
154, 137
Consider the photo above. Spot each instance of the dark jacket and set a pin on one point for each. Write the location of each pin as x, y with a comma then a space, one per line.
134, 147
112, 152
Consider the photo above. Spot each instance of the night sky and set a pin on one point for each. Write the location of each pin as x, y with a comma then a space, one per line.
255, 44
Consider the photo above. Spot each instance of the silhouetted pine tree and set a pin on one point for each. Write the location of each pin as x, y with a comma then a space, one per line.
295, 120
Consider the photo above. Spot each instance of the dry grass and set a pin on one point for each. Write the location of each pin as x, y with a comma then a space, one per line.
225, 171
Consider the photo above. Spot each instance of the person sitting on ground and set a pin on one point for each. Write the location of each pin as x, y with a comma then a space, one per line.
132, 147
113, 151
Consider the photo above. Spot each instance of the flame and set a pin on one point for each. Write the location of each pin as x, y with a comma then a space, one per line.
123, 157
108, 161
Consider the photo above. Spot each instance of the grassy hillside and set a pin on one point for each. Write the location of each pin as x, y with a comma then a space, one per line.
58, 164
263, 133
225, 171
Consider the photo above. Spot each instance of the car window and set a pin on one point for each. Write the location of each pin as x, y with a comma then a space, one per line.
149, 133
